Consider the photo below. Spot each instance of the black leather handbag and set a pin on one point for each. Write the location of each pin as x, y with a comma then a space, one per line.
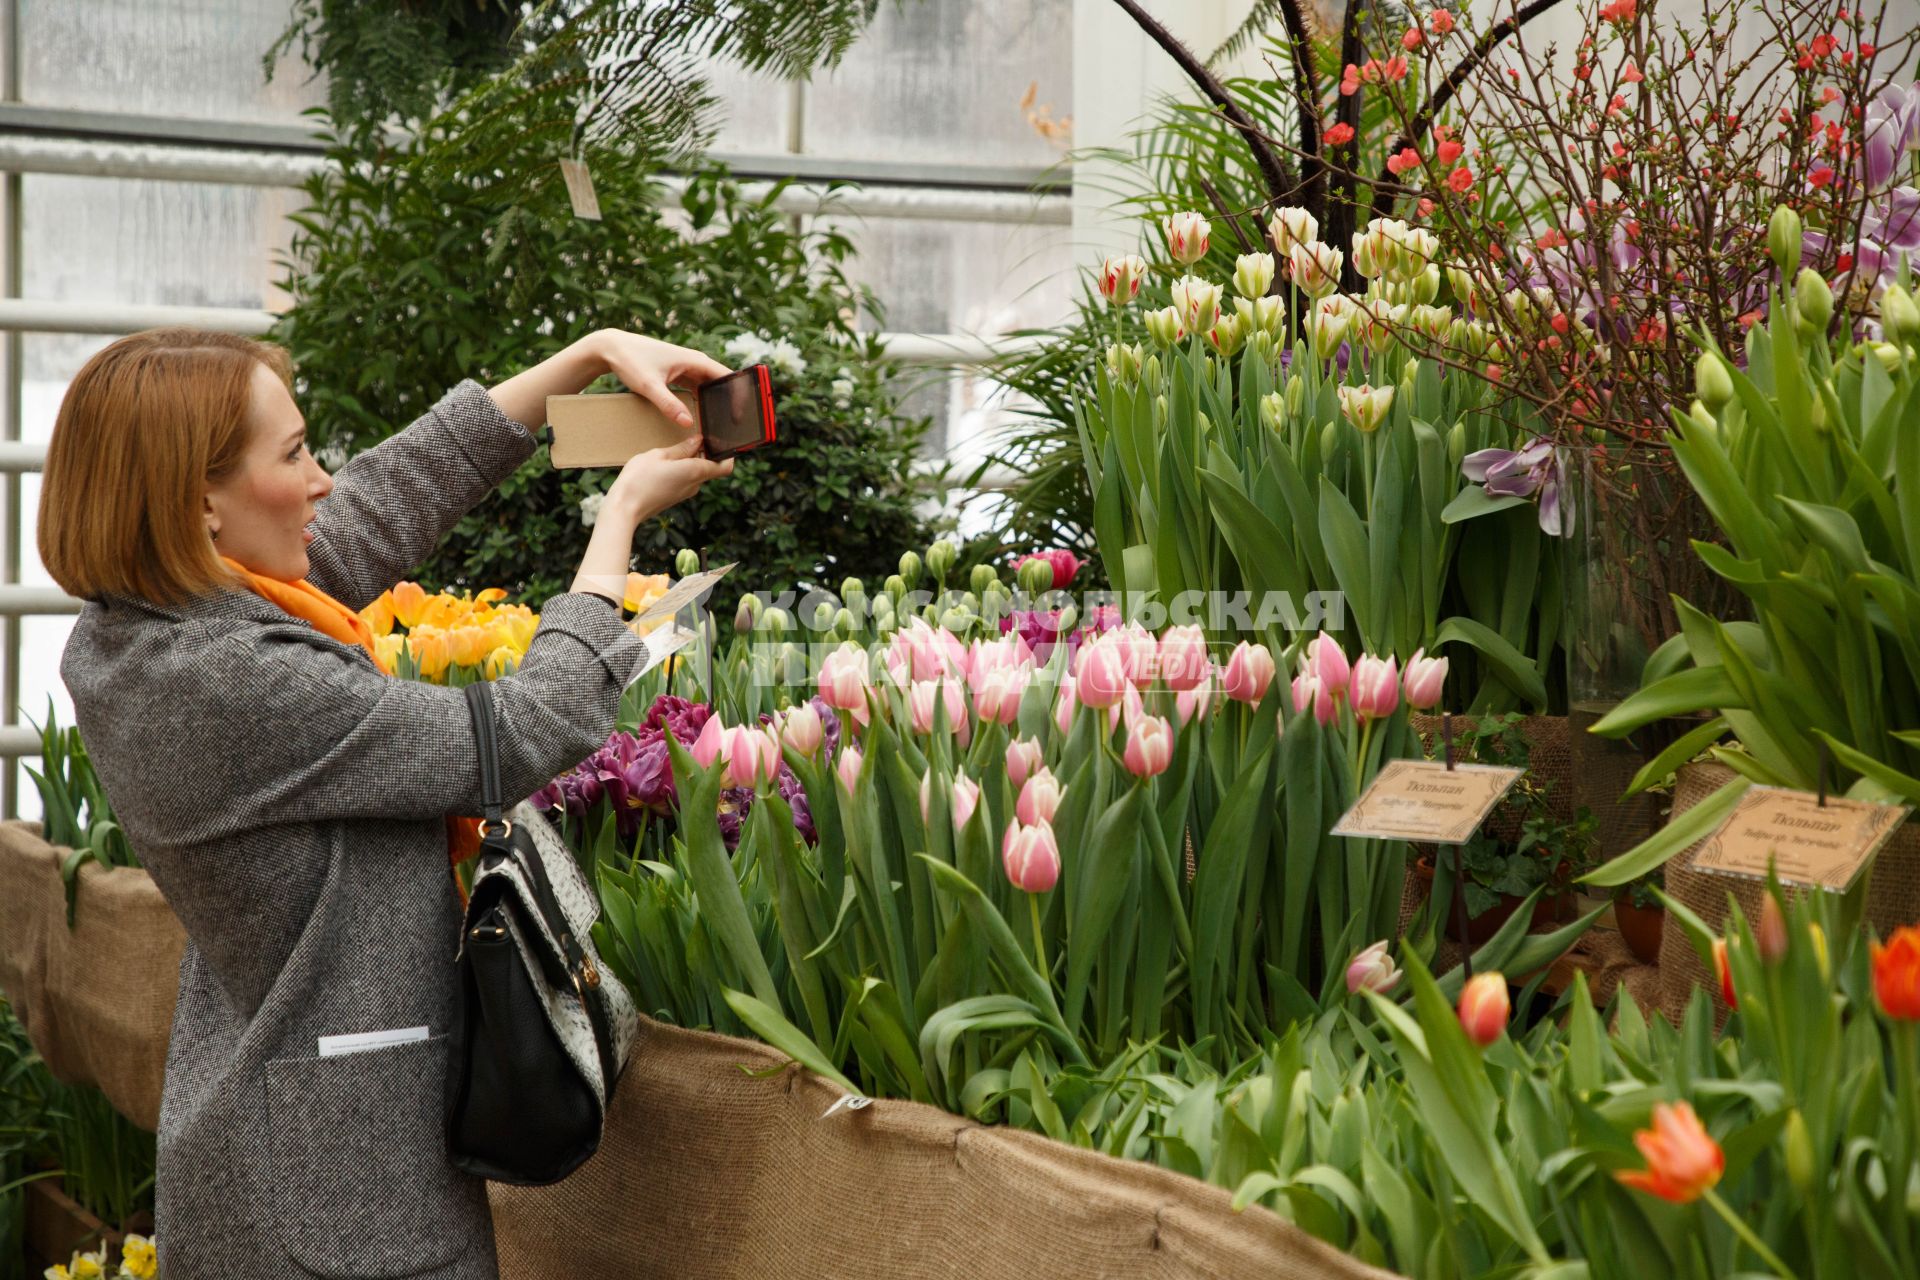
540, 1030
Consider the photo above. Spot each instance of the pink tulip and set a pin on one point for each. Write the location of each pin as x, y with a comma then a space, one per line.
1139, 652
985, 657
1024, 756
1189, 703
1065, 703
843, 680
1063, 563
1039, 798
753, 755
1328, 663
921, 652
1375, 689
1423, 679
997, 697
1484, 1008
1030, 856
1102, 679
1372, 970
1249, 672
709, 745
1149, 747
800, 728
1308, 691
848, 767
1184, 663
920, 701
962, 800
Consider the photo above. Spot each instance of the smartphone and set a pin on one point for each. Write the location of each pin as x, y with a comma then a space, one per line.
733, 414
736, 412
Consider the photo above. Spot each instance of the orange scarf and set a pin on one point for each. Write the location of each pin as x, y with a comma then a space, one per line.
331, 618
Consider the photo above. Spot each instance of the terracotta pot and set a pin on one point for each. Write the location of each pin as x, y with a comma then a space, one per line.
1483, 926
1641, 927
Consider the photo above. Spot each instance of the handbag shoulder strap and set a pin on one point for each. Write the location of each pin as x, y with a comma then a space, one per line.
487, 747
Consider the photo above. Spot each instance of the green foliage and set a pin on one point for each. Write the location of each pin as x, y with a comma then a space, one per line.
407, 277
75, 813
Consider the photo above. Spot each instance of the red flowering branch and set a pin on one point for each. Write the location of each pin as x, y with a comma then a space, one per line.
1462, 71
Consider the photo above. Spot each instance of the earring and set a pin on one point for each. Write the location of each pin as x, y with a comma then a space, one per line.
214, 534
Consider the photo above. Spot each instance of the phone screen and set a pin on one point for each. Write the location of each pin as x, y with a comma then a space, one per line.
736, 412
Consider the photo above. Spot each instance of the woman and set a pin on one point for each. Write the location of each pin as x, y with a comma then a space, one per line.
287, 795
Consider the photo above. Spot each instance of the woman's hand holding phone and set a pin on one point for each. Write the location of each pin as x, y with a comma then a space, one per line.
648, 367
658, 479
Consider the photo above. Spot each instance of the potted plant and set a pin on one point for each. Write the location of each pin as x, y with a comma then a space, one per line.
1522, 845
1641, 916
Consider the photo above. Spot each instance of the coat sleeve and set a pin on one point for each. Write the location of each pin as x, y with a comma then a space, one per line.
391, 505
282, 729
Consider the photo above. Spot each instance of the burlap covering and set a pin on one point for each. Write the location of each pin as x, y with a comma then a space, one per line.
97, 1000
1893, 895
709, 1172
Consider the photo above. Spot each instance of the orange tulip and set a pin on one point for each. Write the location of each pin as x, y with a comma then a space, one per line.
379, 615
409, 601
1770, 933
492, 595
1725, 972
443, 611
1683, 1161
469, 646
1484, 1007
431, 651
1896, 974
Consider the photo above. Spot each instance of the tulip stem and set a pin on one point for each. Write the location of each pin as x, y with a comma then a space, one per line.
1747, 1235
1039, 942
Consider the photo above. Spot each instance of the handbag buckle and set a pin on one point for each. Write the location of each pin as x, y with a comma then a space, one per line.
506, 829
586, 974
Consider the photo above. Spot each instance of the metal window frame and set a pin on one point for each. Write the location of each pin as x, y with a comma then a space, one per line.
115, 145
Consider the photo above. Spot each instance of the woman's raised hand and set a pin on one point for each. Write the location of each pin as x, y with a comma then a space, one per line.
648, 367
653, 481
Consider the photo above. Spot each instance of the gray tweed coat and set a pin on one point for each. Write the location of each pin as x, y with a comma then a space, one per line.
288, 799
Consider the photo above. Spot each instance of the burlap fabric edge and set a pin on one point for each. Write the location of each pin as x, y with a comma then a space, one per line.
720, 1160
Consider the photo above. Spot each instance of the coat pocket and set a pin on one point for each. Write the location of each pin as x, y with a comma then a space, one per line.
361, 1186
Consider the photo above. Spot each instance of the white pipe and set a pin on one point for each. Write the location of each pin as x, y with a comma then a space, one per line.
16, 600
27, 154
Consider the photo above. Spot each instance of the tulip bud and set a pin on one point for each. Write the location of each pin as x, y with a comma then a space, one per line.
777, 621
1711, 381
896, 586
981, 578
847, 769
843, 621
940, 558
1701, 420
1899, 316
1265, 315
1024, 759
687, 562
1165, 326
1035, 576
801, 729
1365, 407
1292, 226
1039, 797
1273, 409
1315, 268
822, 617
1889, 356
1030, 856
748, 613
1198, 302
1423, 680
1069, 619
1799, 1153
1724, 971
1149, 747
1296, 394
1152, 377
1123, 362
1248, 672
852, 589
1227, 336
1813, 299
1770, 933
1425, 287
1484, 1008
1120, 277
909, 569
1783, 240
1253, 274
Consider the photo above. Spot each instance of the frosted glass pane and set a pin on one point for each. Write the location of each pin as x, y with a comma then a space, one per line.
969, 278
176, 58
753, 112
943, 83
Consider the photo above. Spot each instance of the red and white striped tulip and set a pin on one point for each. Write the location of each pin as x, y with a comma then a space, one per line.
1120, 276
1187, 234
1484, 1008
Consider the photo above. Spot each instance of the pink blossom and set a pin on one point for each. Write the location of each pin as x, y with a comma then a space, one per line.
1327, 661
1376, 687
962, 800
710, 745
1423, 680
843, 681
848, 767
1189, 703
1024, 756
1309, 691
1039, 799
1030, 856
1064, 563
1249, 672
800, 728
1372, 970
1184, 663
920, 705
1102, 676
1139, 652
997, 697
752, 755
1064, 705
1149, 747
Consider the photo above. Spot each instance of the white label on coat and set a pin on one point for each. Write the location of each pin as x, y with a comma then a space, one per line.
361, 1041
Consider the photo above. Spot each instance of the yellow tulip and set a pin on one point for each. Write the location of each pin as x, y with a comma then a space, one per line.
501, 661
409, 600
492, 595
386, 650
643, 589
468, 645
442, 611
521, 627
379, 614
431, 651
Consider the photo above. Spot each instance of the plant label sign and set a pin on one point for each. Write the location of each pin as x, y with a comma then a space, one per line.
1825, 846
689, 590
1426, 801
580, 193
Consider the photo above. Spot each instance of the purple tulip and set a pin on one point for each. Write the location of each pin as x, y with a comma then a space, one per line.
1525, 473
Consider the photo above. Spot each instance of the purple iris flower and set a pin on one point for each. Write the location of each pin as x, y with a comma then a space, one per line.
1525, 473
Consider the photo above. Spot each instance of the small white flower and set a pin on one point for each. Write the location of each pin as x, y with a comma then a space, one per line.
748, 348
786, 357
842, 390
590, 508
333, 456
